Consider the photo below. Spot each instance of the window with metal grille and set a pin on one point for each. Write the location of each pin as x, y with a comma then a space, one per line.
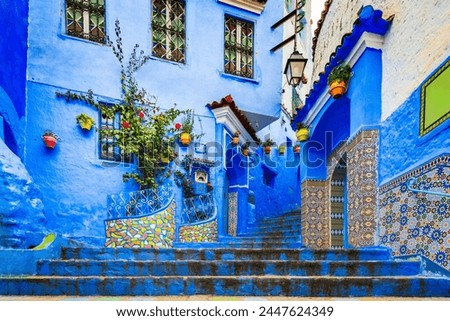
86, 19
239, 36
168, 30
108, 148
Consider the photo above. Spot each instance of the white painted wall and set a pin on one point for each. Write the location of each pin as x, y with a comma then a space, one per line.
418, 41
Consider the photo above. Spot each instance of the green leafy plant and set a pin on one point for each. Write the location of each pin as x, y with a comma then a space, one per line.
50, 133
340, 73
183, 177
301, 125
268, 143
146, 131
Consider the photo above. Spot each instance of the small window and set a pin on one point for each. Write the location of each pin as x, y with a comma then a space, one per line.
168, 30
238, 58
108, 149
86, 19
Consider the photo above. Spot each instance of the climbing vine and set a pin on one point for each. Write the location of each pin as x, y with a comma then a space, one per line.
145, 130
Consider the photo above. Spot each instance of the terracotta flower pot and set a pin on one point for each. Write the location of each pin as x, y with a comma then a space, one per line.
235, 140
267, 149
245, 152
185, 139
337, 89
302, 134
49, 141
296, 149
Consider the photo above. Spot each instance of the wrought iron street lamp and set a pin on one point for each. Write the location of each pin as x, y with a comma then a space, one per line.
295, 66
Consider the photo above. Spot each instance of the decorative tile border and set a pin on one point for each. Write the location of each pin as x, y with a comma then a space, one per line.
155, 231
232, 213
418, 223
199, 233
362, 175
315, 214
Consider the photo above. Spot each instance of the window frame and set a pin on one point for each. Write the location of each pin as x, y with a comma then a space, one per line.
86, 17
119, 156
239, 53
169, 33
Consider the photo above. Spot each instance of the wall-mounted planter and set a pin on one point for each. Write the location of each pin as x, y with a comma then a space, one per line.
338, 80
86, 122
282, 149
267, 149
338, 89
302, 134
50, 139
297, 149
185, 139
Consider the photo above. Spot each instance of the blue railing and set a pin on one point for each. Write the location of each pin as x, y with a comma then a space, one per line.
140, 203
198, 209
413, 181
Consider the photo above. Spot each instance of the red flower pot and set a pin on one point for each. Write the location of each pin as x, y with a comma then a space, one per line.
49, 141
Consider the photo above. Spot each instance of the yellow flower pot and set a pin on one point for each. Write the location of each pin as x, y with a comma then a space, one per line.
185, 139
87, 124
302, 134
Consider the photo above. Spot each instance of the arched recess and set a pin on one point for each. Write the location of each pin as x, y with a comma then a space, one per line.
329, 130
9, 123
338, 205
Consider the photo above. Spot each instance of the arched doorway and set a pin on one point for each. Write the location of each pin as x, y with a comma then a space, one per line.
338, 205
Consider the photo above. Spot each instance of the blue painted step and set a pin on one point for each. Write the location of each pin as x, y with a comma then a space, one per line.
224, 268
228, 286
219, 254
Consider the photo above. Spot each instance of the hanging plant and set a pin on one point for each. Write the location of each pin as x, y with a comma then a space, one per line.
86, 122
338, 80
235, 139
268, 145
50, 139
302, 133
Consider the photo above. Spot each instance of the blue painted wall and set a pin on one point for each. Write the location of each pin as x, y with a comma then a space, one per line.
72, 178
13, 51
401, 146
280, 193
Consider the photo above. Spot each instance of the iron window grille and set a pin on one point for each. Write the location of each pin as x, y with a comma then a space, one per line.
239, 35
108, 146
86, 19
168, 29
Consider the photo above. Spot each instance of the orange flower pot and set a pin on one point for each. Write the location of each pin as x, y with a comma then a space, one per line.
267, 149
296, 149
337, 89
185, 139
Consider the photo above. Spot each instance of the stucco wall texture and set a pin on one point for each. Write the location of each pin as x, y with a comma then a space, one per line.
416, 44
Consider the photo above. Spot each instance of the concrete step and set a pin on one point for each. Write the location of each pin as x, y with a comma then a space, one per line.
224, 268
318, 286
222, 254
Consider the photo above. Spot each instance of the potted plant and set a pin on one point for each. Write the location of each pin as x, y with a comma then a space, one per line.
236, 138
302, 132
186, 128
85, 121
338, 80
268, 145
245, 149
282, 149
297, 148
50, 139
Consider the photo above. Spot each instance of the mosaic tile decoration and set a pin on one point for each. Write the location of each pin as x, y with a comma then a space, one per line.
155, 231
232, 213
199, 233
418, 223
315, 218
362, 175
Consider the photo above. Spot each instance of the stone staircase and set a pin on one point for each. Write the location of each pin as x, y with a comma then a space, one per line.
266, 261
